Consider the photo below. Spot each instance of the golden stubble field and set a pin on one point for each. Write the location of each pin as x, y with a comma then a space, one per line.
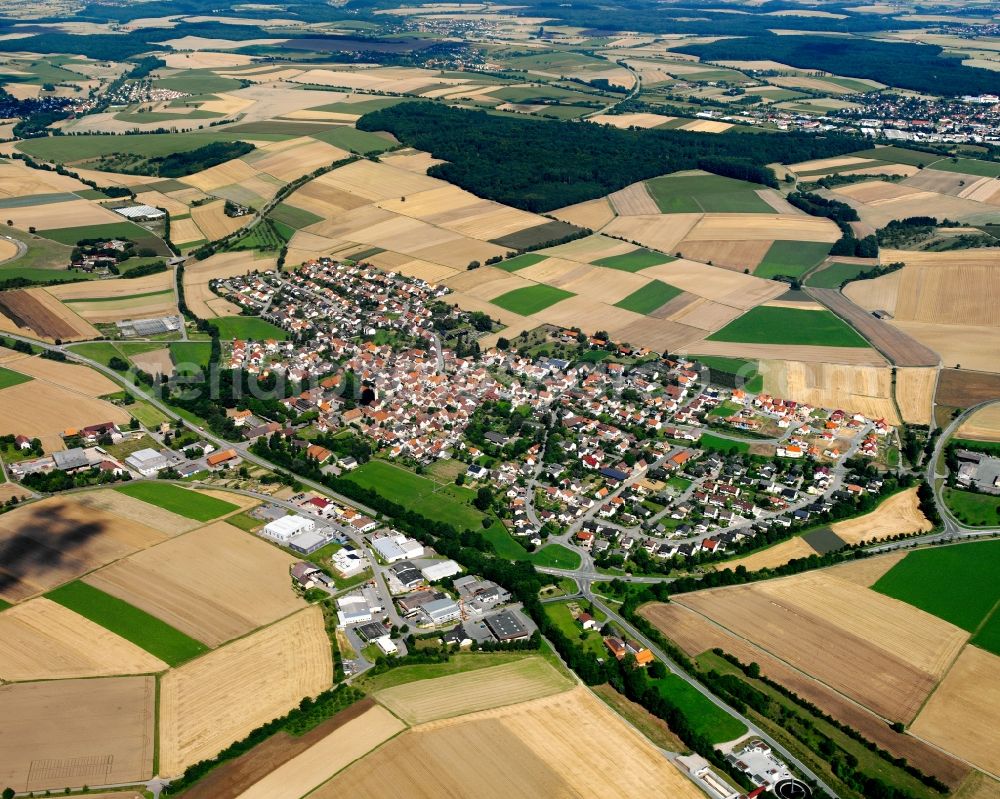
884, 654
900, 513
863, 389
70, 733
214, 583
53, 541
569, 744
983, 425
696, 633
963, 715
201, 711
42, 640
468, 692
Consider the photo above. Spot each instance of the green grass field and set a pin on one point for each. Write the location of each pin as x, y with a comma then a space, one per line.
198, 82
503, 543
834, 275
969, 166
792, 258
191, 352
148, 416
560, 615
520, 262
683, 194
897, 155
446, 503
247, 327
112, 230
705, 718
711, 441
763, 325
294, 217
181, 501
148, 632
975, 510
357, 141
9, 378
635, 261
555, 556
531, 299
653, 295
65, 149
988, 636
957, 583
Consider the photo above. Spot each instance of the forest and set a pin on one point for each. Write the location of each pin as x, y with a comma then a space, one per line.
541, 165
905, 65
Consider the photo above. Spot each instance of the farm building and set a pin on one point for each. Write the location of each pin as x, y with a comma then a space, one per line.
438, 571
288, 527
146, 462
219, 458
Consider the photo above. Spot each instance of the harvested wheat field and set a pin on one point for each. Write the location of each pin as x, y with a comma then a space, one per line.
43, 410
696, 634
875, 190
293, 162
963, 715
472, 691
778, 555
52, 216
76, 378
185, 231
42, 640
633, 120
900, 513
213, 222
763, 227
108, 500
56, 540
225, 174
879, 293
738, 255
325, 758
570, 744
884, 654
215, 583
19, 180
915, 393
959, 288
411, 160
592, 214
221, 265
861, 389
965, 346
111, 289
866, 571
660, 231
106, 311
40, 312
278, 666
71, 733
156, 362
633, 200
10, 490
706, 126
719, 285
983, 425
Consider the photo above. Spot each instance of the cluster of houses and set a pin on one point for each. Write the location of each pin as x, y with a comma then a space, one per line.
618, 432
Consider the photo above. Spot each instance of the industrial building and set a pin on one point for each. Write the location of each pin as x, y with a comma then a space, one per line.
146, 462
441, 570
394, 547
288, 527
441, 611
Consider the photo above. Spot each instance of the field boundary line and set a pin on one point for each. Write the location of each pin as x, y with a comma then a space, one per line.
406, 728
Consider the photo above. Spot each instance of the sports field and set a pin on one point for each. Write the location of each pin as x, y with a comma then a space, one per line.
247, 327
531, 299
792, 258
764, 325
178, 500
634, 261
957, 583
167, 643
702, 192
653, 295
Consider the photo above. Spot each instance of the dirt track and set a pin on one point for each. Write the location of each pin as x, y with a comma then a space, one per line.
894, 344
